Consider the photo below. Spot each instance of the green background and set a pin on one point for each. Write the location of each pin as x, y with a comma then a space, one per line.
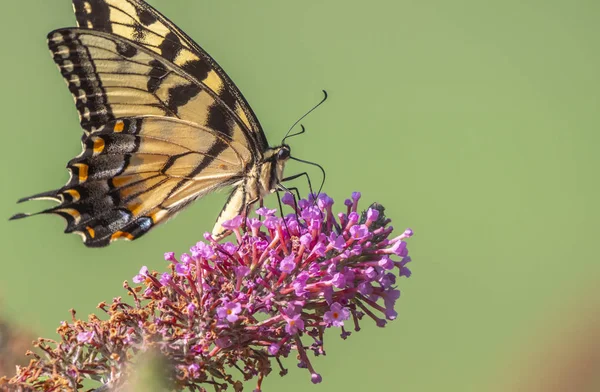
476, 123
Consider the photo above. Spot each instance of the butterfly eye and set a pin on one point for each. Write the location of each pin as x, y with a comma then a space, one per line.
284, 153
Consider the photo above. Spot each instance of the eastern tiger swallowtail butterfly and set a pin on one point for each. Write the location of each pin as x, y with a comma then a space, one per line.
163, 125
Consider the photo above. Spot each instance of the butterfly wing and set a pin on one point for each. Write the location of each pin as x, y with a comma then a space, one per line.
156, 139
138, 22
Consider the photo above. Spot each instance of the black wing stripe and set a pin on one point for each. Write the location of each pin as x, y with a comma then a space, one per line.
139, 22
170, 94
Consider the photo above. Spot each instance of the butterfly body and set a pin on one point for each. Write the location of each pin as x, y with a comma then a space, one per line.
163, 126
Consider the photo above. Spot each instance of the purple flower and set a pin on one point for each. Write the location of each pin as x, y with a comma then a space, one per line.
319, 249
85, 337
324, 201
264, 211
182, 269
202, 250
399, 248
365, 288
339, 281
405, 271
300, 283
306, 239
186, 259
390, 297
141, 277
337, 242
353, 217
336, 315
304, 204
241, 271
271, 222
230, 248
194, 370
359, 232
287, 265
254, 223
234, 223
273, 290
288, 199
274, 348
229, 311
165, 279
316, 378
372, 215
387, 280
386, 263
294, 324
371, 272
311, 213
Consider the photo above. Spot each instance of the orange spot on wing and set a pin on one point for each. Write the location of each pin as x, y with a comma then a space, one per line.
121, 234
98, 145
119, 126
72, 212
83, 171
74, 194
91, 232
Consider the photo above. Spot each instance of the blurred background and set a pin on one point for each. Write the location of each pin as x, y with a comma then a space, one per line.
475, 123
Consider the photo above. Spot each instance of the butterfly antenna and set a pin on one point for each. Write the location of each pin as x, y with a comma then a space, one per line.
287, 135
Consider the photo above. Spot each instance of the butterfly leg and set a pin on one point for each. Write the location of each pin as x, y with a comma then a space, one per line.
247, 211
290, 178
290, 191
262, 204
281, 208
309, 187
296, 195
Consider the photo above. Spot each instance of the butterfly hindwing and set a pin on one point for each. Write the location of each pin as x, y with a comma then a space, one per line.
138, 22
127, 179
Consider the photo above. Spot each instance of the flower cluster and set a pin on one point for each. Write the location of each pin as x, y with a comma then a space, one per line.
238, 306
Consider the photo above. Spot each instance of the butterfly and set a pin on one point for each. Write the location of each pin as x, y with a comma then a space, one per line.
163, 126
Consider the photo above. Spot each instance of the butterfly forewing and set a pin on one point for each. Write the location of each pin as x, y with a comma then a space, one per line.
139, 22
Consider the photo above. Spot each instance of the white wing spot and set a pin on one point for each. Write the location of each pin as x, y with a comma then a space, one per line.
63, 51
75, 80
56, 37
82, 96
90, 25
88, 7
86, 114
68, 66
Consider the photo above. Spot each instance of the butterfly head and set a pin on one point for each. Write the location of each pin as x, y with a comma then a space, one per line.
283, 153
